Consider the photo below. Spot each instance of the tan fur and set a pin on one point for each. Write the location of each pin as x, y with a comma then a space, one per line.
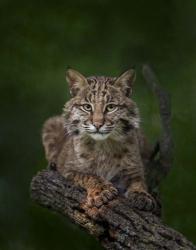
80, 153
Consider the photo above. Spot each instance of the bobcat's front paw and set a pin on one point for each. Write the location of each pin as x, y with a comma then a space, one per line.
101, 195
142, 200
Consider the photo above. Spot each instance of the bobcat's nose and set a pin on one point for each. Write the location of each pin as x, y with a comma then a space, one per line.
97, 125
98, 118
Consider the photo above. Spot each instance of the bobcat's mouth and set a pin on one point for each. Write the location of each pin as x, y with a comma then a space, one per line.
99, 136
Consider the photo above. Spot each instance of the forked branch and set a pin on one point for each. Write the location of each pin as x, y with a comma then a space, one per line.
117, 225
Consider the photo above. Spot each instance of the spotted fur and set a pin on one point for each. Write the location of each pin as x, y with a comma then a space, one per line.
98, 135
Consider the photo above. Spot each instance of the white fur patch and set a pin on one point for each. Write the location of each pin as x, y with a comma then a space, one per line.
99, 137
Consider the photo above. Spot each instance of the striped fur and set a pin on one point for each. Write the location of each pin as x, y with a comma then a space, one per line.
98, 135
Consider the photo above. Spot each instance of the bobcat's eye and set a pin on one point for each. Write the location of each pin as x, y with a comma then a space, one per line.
111, 107
87, 107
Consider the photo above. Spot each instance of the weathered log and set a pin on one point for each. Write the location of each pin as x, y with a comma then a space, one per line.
117, 226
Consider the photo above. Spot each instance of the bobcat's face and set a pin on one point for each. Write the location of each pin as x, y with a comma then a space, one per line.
101, 107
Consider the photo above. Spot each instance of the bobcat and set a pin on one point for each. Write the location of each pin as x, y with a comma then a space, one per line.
97, 141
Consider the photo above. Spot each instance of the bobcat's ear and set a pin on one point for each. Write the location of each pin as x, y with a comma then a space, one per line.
75, 80
125, 81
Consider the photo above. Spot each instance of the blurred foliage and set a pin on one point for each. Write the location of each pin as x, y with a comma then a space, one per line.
38, 41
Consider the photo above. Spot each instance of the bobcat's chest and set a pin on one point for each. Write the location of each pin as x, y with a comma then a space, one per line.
107, 165
102, 159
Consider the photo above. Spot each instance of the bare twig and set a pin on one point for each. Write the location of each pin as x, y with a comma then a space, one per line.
159, 168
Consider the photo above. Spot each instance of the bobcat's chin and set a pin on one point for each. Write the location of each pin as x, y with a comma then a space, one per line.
99, 136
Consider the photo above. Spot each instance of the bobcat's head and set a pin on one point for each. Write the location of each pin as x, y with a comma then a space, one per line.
101, 106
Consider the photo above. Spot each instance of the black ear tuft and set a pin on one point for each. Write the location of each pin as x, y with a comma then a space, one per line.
68, 67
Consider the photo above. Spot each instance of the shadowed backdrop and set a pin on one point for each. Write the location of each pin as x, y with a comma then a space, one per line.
38, 41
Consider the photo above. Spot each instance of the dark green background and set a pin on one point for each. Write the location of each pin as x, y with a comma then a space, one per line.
38, 40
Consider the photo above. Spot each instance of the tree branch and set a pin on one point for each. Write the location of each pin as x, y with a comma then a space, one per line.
159, 167
117, 225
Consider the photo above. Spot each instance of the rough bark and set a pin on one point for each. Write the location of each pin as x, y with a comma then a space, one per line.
117, 225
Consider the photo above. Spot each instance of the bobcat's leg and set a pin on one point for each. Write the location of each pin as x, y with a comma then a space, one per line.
98, 190
53, 135
138, 195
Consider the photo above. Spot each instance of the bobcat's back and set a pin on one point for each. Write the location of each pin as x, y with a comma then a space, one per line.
53, 137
